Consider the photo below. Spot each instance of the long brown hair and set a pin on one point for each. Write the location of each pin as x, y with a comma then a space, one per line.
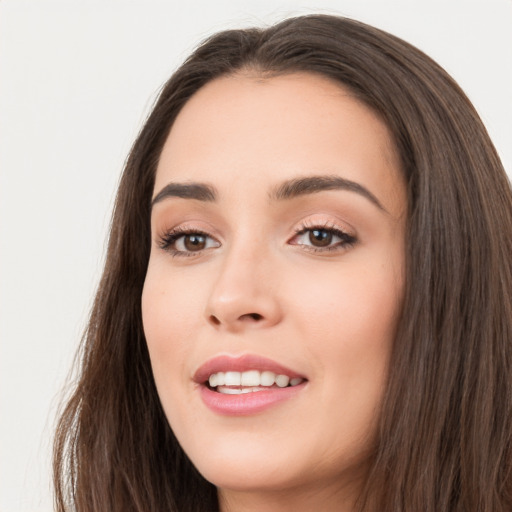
445, 434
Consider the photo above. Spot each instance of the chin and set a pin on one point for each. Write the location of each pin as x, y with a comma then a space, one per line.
247, 465
244, 476
238, 464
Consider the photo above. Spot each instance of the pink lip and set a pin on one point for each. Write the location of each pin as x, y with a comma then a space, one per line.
247, 403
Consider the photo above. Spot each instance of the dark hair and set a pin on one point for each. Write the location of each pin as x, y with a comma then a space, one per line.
445, 433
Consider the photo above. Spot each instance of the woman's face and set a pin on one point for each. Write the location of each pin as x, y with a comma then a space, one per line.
276, 271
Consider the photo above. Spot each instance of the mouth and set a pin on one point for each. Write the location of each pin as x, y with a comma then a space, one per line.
245, 385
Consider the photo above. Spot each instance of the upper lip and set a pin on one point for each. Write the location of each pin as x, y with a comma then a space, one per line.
226, 363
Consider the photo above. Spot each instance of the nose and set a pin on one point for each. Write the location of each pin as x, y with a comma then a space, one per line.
244, 295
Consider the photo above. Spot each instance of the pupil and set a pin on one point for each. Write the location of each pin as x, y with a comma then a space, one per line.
320, 237
194, 242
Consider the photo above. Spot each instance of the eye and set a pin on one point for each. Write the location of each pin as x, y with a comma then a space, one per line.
322, 238
184, 242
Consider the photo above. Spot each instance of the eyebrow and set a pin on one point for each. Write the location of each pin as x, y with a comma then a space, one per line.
198, 191
287, 190
312, 184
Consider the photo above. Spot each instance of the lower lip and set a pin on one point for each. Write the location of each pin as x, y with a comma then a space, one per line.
247, 403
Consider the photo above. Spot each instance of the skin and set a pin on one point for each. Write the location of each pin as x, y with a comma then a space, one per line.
260, 288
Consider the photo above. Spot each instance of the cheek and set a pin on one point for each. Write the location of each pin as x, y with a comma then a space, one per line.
348, 324
353, 298
170, 316
349, 318
170, 302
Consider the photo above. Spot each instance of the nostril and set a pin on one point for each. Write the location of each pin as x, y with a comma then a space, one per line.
214, 320
247, 317
254, 316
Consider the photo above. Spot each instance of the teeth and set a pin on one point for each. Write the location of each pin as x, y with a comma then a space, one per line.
251, 380
267, 378
233, 379
217, 379
282, 381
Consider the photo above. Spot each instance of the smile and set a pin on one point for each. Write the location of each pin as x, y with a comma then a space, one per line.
245, 385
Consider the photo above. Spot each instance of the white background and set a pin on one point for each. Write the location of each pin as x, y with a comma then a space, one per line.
77, 79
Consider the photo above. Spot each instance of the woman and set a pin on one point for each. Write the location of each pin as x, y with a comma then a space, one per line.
306, 302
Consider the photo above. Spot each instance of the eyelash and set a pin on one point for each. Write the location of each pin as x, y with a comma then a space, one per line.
169, 238
346, 240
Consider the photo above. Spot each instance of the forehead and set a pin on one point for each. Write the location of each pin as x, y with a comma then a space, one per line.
255, 131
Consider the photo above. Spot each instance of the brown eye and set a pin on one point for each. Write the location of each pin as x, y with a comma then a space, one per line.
187, 243
194, 242
320, 237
